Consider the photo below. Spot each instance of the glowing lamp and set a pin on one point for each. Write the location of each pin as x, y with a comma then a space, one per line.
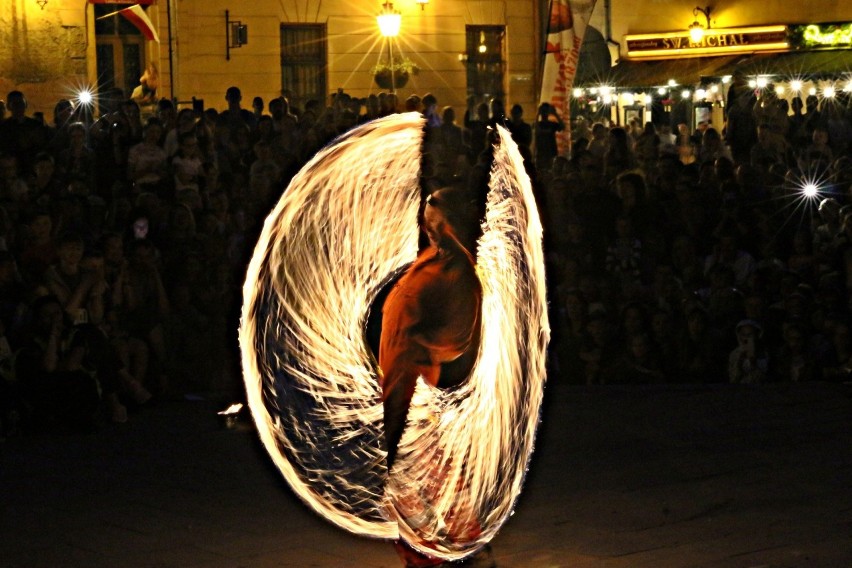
672, 82
810, 190
685, 94
795, 85
696, 32
389, 20
578, 93
661, 91
762, 82
701, 94
779, 90
829, 92
726, 79
752, 84
848, 87
84, 97
812, 91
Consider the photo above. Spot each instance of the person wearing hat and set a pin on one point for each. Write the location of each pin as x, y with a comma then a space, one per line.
748, 363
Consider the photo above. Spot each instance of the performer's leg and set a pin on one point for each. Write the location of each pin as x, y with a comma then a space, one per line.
396, 403
413, 558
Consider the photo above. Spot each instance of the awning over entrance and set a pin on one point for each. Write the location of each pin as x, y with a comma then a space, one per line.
794, 64
691, 70
658, 73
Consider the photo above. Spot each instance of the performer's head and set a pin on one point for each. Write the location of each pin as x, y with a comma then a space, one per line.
449, 218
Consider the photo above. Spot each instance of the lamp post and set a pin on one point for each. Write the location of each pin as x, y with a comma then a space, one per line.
389, 21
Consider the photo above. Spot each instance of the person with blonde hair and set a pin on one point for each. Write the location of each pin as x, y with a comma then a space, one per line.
146, 91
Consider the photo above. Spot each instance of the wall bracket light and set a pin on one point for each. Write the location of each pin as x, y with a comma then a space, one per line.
236, 35
696, 30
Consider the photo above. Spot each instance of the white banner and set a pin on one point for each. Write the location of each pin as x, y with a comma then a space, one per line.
565, 30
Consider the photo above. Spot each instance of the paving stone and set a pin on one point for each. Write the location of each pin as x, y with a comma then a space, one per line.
664, 476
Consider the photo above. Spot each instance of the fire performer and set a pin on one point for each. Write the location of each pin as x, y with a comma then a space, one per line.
458, 451
430, 320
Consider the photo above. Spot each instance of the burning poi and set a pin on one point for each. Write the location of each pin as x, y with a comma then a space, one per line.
344, 228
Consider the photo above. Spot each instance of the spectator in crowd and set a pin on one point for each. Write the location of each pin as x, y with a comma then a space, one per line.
257, 107
547, 124
647, 146
599, 143
521, 130
235, 117
80, 292
476, 121
67, 371
794, 362
748, 363
147, 165
14, 192
21, 136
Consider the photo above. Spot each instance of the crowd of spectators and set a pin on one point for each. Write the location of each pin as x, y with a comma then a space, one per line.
705, 256
688, 257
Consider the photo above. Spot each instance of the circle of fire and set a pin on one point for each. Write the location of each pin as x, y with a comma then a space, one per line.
345, 226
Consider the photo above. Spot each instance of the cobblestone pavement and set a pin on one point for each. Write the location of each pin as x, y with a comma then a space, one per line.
667, 476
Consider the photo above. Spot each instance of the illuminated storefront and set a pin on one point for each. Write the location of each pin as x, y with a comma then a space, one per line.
683, 76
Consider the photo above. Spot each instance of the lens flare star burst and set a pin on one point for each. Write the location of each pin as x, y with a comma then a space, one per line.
346, 226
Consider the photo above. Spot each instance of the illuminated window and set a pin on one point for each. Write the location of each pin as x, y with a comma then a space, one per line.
119, 51
304, 61
486, 65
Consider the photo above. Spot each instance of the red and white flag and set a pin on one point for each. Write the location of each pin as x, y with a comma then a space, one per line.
566, 27
137, 16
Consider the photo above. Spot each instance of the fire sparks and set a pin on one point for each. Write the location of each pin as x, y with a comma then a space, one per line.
233, 409
345, 226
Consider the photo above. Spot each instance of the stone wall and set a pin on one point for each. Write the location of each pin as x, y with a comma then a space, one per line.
42, 51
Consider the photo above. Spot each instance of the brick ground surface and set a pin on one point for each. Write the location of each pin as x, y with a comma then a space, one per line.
670, 476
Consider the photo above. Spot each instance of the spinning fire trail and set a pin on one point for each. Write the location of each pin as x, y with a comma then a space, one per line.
345, 227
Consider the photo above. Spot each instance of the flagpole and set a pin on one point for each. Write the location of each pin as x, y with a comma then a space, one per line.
110, 14
171, 51
542, 29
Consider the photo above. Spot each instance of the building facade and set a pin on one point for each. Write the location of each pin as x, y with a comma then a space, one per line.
51, 49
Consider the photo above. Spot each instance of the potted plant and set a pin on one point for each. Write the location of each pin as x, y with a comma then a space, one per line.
400, 70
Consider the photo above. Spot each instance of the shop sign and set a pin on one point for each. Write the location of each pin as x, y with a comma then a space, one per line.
822, 35
715, 42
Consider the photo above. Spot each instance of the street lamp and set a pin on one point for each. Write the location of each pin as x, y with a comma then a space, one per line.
389, 21
696, 30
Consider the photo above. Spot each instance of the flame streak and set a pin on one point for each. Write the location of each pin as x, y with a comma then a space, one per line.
345, 226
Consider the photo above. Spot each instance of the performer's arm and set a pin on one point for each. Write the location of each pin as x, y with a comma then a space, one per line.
450, 314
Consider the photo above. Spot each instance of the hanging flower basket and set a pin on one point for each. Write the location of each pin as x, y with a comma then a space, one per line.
401, 71
383, 79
